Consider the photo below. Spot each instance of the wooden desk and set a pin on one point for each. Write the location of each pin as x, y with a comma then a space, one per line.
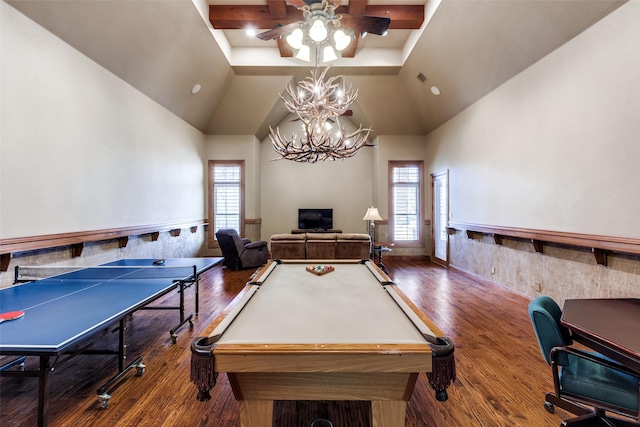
609, 326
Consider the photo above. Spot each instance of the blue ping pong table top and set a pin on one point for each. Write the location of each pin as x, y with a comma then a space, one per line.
64, 309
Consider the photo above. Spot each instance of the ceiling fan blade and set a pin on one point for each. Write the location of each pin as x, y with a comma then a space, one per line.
278, 31
366, 24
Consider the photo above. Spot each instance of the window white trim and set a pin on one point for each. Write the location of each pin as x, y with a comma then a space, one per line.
226, 197
406, 211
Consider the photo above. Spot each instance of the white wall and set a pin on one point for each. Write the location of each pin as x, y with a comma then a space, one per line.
239, 147
399, 148
556, 147
81, 149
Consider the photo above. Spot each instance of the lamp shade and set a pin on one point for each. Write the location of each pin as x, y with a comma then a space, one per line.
304, 53
372, 214
318, 31
295, 39
328, 54
341, 40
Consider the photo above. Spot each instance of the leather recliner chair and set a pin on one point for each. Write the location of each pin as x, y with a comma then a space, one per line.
240, 253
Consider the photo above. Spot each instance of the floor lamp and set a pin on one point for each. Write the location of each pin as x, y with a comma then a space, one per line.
372, 216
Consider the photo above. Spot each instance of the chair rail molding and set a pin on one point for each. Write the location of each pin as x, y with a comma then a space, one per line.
600, 246
76, 240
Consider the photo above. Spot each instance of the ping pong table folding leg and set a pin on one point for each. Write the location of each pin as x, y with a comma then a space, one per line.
43, 390
43, 382
183, 319
182, 286
104, 391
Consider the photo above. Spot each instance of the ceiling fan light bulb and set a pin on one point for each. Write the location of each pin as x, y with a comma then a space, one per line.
304, 53
318, 32
341, 40
295, 39
329, 54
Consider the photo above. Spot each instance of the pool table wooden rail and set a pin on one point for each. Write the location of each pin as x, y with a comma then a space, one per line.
322, 358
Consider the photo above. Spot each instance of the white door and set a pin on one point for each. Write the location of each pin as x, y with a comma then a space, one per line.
440, 203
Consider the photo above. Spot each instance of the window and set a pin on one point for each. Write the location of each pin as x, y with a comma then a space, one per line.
226, 196
405, 182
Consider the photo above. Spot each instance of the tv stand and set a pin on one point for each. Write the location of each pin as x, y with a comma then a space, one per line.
315, 230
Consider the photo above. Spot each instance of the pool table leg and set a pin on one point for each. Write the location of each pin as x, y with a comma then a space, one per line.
388, 413
256, 413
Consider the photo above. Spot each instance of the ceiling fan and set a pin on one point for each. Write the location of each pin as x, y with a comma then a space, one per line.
286, 16
324, 11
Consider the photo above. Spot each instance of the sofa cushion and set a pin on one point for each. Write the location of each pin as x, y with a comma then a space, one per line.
354, 236
288, 237
321, 236
288, 246
321, 245
353, 246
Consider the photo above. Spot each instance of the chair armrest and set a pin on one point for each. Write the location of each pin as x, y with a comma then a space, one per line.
245, 241
256, 245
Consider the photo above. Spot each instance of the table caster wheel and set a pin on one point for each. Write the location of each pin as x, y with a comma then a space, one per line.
174, 338
549, 407
103, 399
190, 324
140, 368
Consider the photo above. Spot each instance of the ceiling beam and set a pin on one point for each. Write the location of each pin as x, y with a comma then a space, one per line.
357, 7
224, 17
237, 17
277, 8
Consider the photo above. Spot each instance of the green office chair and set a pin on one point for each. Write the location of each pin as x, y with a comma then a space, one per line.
580, 377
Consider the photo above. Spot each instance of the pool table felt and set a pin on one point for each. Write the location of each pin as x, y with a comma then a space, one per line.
348, 306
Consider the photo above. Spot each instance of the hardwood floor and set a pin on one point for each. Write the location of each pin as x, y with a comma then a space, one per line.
501, 377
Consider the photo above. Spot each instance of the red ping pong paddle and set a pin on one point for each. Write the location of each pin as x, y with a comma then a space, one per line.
11, 315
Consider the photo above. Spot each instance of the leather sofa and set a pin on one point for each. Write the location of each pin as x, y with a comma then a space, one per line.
320, 246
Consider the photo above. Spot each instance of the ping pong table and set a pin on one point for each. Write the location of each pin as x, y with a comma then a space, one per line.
66, 313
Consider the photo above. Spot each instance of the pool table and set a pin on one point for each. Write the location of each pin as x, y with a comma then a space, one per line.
348, 334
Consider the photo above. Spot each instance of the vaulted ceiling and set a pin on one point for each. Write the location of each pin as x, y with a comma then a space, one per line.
464, 48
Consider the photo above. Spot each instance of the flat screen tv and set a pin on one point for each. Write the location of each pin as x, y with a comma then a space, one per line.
315, 219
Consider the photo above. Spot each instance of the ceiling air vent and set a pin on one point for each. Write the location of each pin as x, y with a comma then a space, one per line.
422, 78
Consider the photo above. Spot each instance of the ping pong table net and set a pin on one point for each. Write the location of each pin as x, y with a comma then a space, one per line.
24, 274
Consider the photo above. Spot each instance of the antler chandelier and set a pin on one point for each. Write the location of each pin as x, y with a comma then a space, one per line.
318, 103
